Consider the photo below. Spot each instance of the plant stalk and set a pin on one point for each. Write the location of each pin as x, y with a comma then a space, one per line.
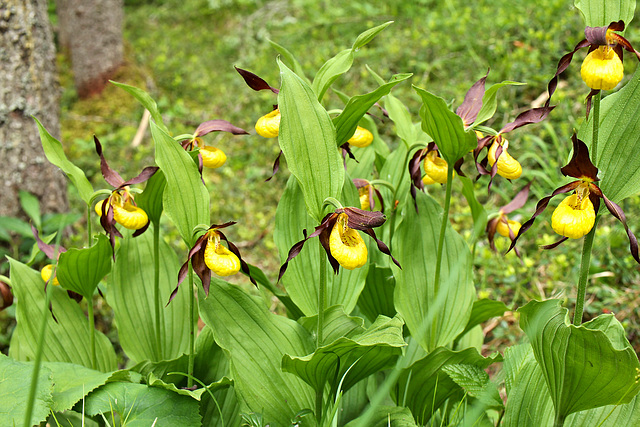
192, 333
443, 228
321, 302
88, 225
38, 359
596, 127
92, 332
558, 421
156, 287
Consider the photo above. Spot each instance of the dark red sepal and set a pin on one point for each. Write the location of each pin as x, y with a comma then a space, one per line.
580, 165
556, 244
362, 220
111, 176
276, 167
470, 107
518, 201
563, 64
619, 214
146, 173
532, 116
254, 82
382, 247
234, 249
48, 250
218, 126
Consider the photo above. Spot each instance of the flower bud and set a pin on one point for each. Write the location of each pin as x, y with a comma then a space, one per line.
212, 157
268, 125
346, 245
46, 272
361, 138
574, 217
508, 167
219, 259
602, 69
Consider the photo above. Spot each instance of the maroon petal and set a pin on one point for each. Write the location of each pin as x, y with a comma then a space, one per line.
201, 270
324, 241
139, 231
492, 226
563, 64
381, 246
49, 250
470, 107
218, 126
276, 166
598, 35
518, 201
293, 252
362, 220
534, 115
580, 165
379, 196
146, 173
254, 82
111, 176
587, 100
619, 214
243, 265
556, 244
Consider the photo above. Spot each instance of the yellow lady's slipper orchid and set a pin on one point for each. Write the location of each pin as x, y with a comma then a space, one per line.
346, 245
218, 258
212, 157
268, 125
574, 217
435, 168
602, 69
361, 138
125, 212
46, 272
508, 167
503, 228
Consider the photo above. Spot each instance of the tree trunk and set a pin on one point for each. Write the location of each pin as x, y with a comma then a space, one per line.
28, 87
92, 31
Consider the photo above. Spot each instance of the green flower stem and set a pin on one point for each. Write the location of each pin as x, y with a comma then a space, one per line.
38, 359
92, 332
89, 225
156, 287
443, 228
585, 261
321, 297
192, 332
559, 421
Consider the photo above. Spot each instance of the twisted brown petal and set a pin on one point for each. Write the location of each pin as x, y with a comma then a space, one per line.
111, 176
254, 82
470, 107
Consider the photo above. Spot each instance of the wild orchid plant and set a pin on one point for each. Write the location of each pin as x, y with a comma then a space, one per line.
390, 339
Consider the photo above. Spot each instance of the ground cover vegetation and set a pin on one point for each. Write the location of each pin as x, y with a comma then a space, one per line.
376, 329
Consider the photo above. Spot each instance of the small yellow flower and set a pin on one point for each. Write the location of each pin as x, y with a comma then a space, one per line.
508, 167
218, 258
46, 272
125, 212
503, 229
361, 138
268, 125
346, 245
574, 217
435, 169
364, 198
212, 157
602, 69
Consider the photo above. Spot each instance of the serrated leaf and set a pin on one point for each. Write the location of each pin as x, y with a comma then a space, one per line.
358, 105
585, 367
15, 384
619, 134
598, 13
147, 102
434, 313
142, 405
185, 198
80, 270
445, 127
368, 35
55, 154
476, 383
490, 103
72, 382
330, 71
255, 341
308, 140
67, 339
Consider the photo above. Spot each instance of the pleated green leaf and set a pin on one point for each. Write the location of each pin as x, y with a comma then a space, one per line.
301, 278
358, 105
308, 140
151, 198
67, 339
336, 324
362, 354
142, 405
185, 198
384, 416
598, 13
478, 212
483, 310
476, 383
619, 135
15, 383
255, 341
147, 102
55, 154
490, 103
377, 296
423, 387
80, 270
445, 127
585, 367
131, 294
330, 71
435, 315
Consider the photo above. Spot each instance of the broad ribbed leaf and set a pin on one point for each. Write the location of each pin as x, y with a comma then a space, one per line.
434, 319
151, 198
255, 341
598, 13
619, 136
147, 102
358, 105
336, 324
80, 270
55, 154
445, 127
308, 141
424, 386
186, 199
483, 310
489, 102
476, 383
361, 354
131, 294
585, 367
142, 405
383, 416
330, 71
301, 278
377, 296
15, 382
67, 339
72, 382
